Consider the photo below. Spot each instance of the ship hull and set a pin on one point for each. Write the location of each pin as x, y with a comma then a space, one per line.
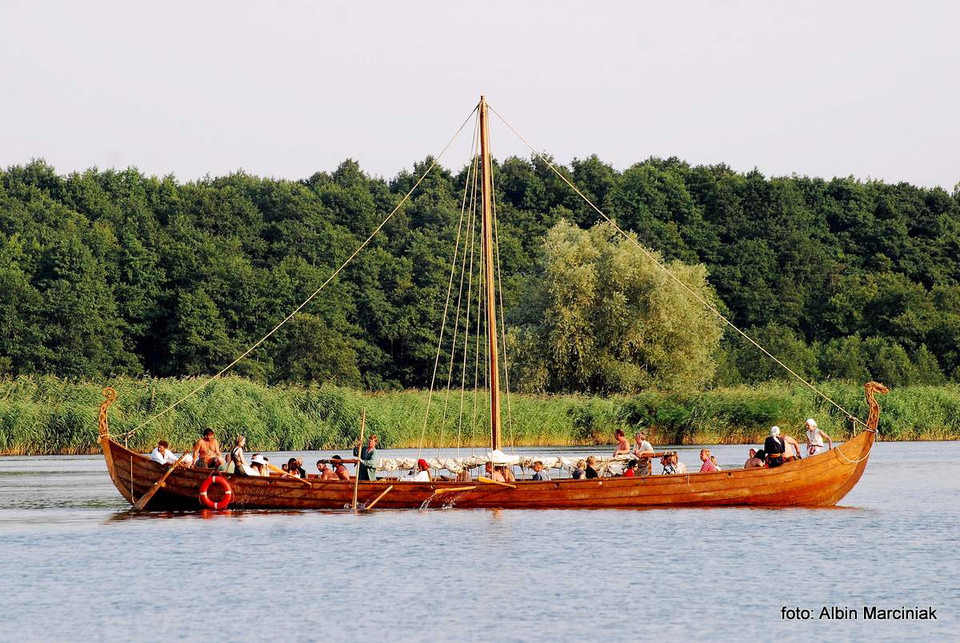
819, 481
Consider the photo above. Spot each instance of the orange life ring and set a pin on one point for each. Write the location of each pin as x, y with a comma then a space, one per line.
221, 482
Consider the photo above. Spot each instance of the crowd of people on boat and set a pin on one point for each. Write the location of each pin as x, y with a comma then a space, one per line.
635, 460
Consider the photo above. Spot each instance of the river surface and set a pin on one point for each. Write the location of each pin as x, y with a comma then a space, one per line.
76, 564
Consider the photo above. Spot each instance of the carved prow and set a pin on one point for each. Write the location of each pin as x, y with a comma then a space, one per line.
111, 396
873, 419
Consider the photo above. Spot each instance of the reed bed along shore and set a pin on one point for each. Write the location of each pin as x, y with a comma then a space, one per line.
43, 415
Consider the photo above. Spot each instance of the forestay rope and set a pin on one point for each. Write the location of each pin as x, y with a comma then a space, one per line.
689, 290
316, 292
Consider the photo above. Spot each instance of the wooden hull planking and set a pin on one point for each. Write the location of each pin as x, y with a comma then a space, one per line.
819, 481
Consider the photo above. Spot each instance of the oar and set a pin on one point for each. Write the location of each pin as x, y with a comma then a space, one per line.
145, 498
452, 489
377, 499
502, 484
289, 475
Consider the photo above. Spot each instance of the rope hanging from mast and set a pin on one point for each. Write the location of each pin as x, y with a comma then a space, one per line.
687, 288
316, 292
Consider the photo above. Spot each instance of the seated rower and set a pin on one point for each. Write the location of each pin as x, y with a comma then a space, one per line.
754, 461
162, 453
507, 473
339, 468
539, 474
423, 472
642, 449
493, 472
258, 465
708, 462
590, 471
326, 473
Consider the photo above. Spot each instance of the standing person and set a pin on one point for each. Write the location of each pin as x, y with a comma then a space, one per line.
236, 455
623, 445
774, 446
162, 454
206, 451
815, 438
643, 451
367, 466
707, 460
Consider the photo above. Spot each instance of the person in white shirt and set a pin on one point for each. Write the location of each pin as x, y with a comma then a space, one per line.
642, 449
162, 454
423, 472
815, 438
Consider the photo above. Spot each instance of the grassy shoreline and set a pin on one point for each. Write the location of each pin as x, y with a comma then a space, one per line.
45, 415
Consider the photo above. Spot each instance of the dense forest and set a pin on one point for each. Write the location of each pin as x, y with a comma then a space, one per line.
116, 273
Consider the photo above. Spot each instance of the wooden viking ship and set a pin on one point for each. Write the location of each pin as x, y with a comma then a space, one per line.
818, 481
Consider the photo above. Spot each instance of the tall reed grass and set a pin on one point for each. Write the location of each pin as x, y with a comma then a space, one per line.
49, 415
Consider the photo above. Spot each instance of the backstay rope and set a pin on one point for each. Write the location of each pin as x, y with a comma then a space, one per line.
689, 290
316, 292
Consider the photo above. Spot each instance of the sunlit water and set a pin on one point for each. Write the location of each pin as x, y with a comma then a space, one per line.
75, 564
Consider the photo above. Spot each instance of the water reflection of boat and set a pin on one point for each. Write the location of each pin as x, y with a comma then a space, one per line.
819, 481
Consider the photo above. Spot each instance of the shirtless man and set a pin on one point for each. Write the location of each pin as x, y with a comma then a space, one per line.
206, 451
326, 473
753, 462
623, 445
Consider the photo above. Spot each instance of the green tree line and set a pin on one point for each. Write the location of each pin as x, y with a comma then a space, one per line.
108, 273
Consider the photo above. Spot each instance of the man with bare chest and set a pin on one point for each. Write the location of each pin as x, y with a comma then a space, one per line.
206, 451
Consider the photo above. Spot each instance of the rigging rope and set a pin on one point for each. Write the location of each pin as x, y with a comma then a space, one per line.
446, 307
466, 337
316, 292
689, 290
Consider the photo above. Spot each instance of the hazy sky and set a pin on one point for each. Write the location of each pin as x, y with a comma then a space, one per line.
284, 89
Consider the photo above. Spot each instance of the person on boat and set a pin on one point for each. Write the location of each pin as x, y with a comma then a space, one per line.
708, 462
678, 466
631, 470
623, 445
716, 464
367, 466
774, 446
580, 470
643, 451
493, 472
258, 465
206, 451
507, 473
815, 438
464, 475
236, 456
162, 453
295, 468
538, 473
754, 461
792, 451
326, 473
423, 472
590, 471
667, 462
339, 468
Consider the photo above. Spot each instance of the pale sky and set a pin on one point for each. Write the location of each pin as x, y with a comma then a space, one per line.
285, 89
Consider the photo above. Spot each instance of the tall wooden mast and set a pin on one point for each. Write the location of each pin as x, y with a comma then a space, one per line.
488, 266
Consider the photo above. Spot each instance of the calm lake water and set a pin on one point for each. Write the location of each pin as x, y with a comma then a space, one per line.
75, 564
